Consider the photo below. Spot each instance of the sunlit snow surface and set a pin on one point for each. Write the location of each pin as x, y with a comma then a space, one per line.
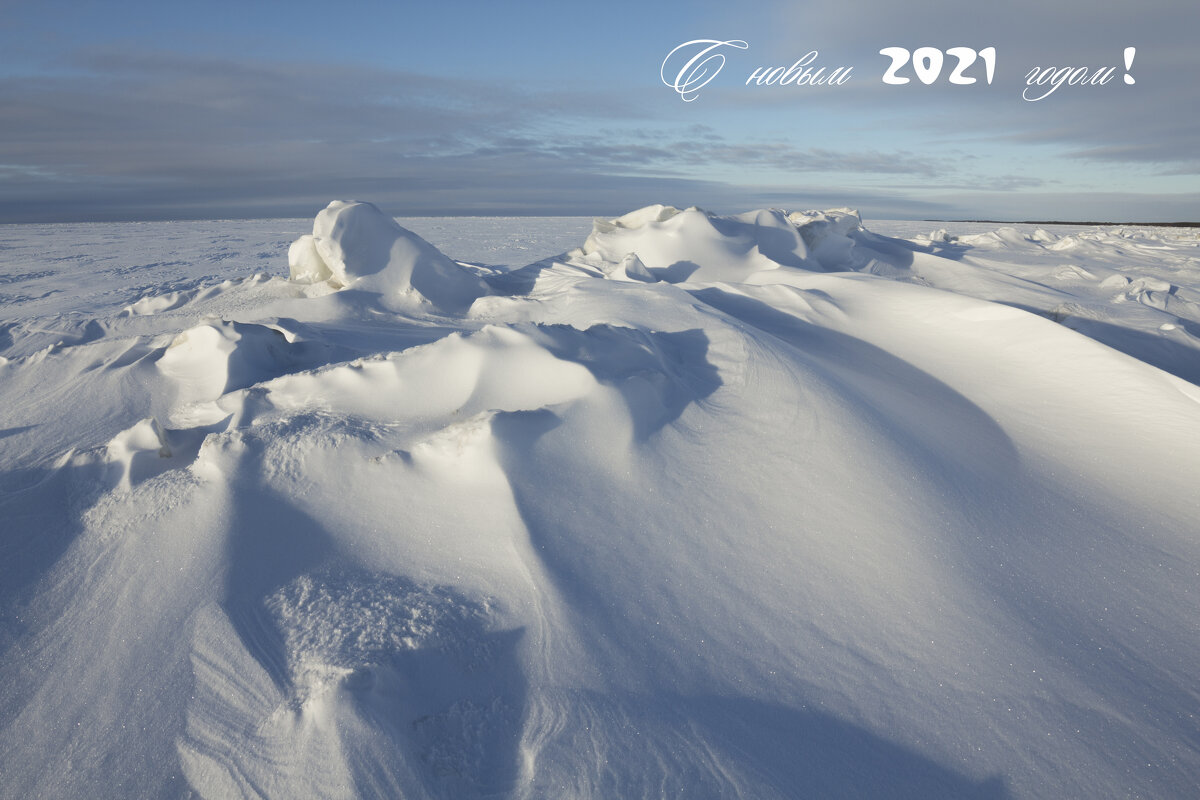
756, 506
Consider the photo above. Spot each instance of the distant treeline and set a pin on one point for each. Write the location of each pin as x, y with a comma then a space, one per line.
1067, 222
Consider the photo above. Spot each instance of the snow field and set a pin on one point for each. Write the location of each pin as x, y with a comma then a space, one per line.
768, 505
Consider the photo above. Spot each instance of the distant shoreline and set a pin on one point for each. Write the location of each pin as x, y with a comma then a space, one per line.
1068, 222
308, 217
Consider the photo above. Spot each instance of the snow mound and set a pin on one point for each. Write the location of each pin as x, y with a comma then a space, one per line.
1006, 237
135, 454
358, 680
170, 301
663, 243
1152, 292
831, 236
496, 368
631, 268
1073, 272
1043, 236
207, 361
683, 513
461, 381
355, 244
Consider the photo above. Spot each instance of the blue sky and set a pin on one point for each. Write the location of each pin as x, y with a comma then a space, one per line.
132, 110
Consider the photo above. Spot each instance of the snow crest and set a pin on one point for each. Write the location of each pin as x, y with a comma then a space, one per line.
355, 244
663, 243
711, 506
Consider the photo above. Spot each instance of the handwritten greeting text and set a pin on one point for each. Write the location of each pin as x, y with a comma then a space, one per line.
698, 71
695, 64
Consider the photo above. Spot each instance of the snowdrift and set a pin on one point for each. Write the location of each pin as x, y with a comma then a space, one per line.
758, 506
663, 243
354, 244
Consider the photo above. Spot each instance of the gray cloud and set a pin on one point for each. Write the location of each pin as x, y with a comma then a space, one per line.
117, 135
1156, 120
152, 135
1090, 206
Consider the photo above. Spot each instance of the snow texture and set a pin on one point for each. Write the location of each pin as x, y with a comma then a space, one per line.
772, 505
355, 244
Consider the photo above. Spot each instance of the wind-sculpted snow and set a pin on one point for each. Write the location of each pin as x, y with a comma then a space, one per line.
664, 243
354, 244
762, 506
384, 686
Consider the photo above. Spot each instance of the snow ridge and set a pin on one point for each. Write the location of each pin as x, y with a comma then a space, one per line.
765, 505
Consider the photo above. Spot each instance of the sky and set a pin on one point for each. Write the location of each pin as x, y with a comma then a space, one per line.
138, 110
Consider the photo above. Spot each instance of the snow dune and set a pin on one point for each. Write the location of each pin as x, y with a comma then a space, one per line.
759, 506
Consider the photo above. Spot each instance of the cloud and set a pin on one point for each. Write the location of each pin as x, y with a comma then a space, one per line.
1089, 206
144, 134
140, 135
1156, 120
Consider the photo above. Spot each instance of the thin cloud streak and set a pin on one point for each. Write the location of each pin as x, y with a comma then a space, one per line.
138, 134
156, 135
